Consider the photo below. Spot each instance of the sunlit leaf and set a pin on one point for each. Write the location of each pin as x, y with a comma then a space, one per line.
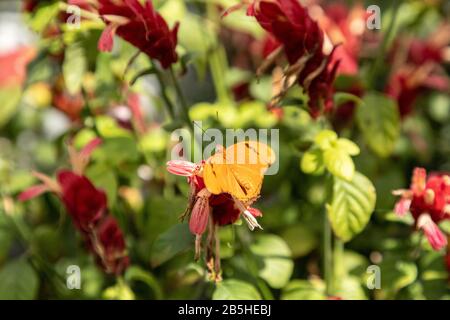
276, 258
352, 205
303, 290
379, 121
233, 289
74, 67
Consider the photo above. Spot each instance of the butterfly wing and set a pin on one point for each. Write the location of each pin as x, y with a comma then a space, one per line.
239, 170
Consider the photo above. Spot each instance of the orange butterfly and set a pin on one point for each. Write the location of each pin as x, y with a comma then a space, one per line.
238, 170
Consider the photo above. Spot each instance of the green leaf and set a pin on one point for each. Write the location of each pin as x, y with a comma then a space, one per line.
135, 273
10, 98
344, 97
234, 289
43, 16
396, 274
348, 146
74, 67
172, 242
105, 179
325, 139
339, 163
276, 258
312, 162
120, 291
351, 289
18, 281
300, 239
352, 205
108, 128
304, 290
379, 121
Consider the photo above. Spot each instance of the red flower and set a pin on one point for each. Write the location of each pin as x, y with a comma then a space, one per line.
303, 43
208, 211
141, 26
429, 203
110, 246
85, 203
13, 66
408, 83
420, 70
223, 208
346, 27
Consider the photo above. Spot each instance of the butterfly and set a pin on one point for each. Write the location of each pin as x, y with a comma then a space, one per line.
238, 170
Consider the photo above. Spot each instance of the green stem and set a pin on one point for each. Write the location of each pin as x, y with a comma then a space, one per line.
327, 255
169, 105
339, 271
381, 54
181, 99
218, 63
217, 59
328, 269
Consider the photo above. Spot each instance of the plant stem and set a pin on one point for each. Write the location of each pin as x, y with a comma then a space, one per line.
218, 63
339, 271
381, 54
327, 255
182, 100
169, 105
328, 239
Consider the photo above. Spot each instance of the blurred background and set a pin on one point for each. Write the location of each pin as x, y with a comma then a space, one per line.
56, 89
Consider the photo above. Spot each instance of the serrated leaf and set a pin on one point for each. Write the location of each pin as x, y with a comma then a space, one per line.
233, 289
276, 259
74, 67
339, 163
379, 121
352, 205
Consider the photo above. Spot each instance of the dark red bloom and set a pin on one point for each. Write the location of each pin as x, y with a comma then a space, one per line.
84, 202
30, 5
345, 26
407, 84
421, 69
428, 200
303, 43
141, 26
111, 248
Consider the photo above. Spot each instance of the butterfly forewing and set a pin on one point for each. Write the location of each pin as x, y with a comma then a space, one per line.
238, 170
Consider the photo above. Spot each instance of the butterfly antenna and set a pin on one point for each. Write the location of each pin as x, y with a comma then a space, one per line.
204, 132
